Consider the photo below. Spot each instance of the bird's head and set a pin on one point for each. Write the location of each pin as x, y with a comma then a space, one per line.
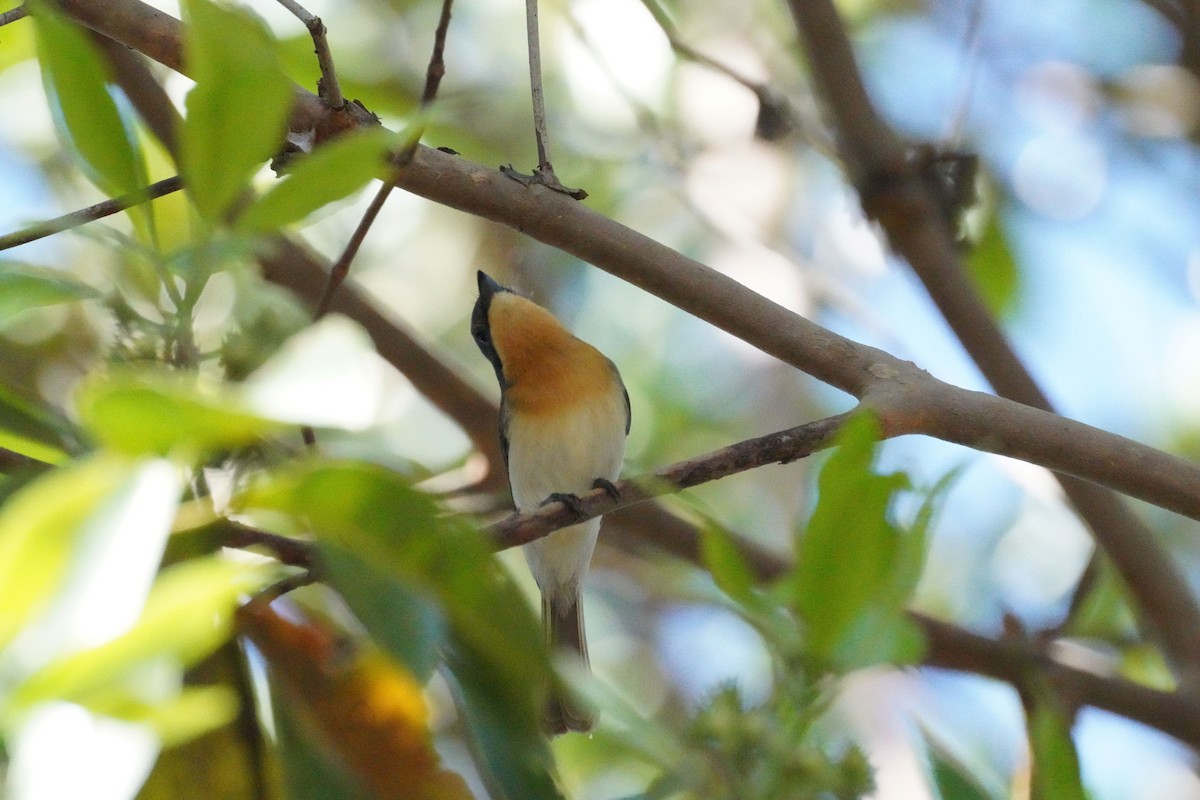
515, 333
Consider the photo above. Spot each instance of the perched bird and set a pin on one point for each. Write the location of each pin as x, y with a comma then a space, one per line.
564, 416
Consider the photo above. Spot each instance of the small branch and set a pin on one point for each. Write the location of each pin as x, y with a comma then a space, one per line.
1012, 661
92, 213
341, 268
433, 79
782, 447
949, 647
13, 15
328, 86
776, 116
775, 448
544, 172
535, 84
437, 65
281, 587
290, 551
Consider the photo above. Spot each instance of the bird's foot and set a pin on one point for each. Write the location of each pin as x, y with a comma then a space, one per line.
569, 500
608, 486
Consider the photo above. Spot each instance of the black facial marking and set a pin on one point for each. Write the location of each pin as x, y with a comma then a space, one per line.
481, 327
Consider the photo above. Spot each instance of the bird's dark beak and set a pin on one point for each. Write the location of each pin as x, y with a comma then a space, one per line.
487, 286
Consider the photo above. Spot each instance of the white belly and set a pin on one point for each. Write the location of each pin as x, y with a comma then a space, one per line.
566, 454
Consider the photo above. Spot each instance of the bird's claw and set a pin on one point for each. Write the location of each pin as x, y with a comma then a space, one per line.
608, 486
571, 501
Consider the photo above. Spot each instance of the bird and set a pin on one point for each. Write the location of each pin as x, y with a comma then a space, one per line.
564, 419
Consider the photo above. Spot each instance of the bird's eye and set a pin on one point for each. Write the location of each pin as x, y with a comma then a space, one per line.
480, 332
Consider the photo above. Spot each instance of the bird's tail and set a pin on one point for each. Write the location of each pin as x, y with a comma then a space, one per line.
562, 617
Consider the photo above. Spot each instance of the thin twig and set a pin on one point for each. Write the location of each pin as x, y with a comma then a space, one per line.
341, 268
437, 64
544, 172
285, 585
20, 12
328, 86
92, 213
433, 78
776, 116
1013, 661
286, 263
535, 84
290, 551
962, 105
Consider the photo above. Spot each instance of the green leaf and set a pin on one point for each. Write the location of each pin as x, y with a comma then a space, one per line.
115, 560
846, 553
993, 269
1056, 774
960, 772
40, 526
401, 620
954, 783
76, 81
23, 287
160, 413
187, 615
729, 570
1105, 612
882, 632
238, 110
332, 172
